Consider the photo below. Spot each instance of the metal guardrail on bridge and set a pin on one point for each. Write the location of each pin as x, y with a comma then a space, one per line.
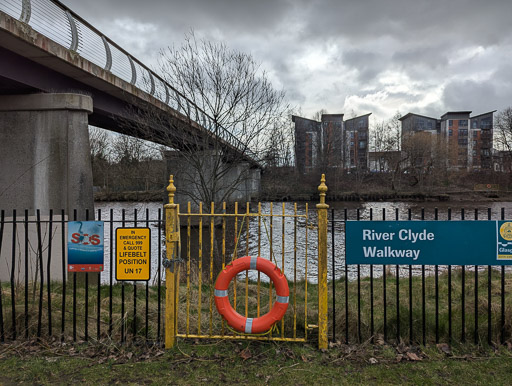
60, 24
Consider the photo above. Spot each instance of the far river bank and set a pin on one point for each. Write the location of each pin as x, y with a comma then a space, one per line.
447, 196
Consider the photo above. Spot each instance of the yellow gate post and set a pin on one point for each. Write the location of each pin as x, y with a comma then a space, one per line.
171, 270
322, 265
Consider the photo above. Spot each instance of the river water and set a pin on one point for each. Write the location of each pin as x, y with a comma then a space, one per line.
297, 249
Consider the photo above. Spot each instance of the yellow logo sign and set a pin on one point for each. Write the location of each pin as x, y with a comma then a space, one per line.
133, 254
506, 231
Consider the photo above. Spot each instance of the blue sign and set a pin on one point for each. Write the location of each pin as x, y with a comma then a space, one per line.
85, 246
429, 242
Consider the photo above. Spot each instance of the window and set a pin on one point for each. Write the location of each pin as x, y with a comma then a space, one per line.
362, 144
475, 143
450, 123
463, 122
463, 132
362, 134
475, 134
474, 124
360, 124
351, 143
351, 134
485, 152
474, 153
450, 132
486, 123
463, 141
429, 125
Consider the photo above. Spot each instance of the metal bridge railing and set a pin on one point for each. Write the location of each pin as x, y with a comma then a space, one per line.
57, 22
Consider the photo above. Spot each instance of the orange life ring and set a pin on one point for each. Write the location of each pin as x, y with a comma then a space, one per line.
234, 319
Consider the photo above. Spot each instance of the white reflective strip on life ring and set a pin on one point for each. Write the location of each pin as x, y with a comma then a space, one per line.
282, 299
254, 261
248, 326
221, 293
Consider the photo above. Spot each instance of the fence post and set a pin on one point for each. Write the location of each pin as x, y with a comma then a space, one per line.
322, 265
171, 269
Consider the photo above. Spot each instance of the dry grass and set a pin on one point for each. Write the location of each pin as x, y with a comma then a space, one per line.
201, 317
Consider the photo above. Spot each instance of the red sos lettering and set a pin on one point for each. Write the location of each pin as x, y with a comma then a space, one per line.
95, 239
85, 239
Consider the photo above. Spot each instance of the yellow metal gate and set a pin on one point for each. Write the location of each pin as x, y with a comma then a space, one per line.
200, 244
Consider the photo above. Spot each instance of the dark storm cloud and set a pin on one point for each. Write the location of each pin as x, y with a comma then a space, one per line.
470, 95
411, 21
367, 64
182, 15
426, 56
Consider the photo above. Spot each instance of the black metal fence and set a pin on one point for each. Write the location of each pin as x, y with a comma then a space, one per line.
417, 304
40, 298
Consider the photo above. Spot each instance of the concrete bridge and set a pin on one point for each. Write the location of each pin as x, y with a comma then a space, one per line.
58, 74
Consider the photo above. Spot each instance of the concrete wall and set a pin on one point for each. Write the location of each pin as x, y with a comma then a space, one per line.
46, 164
45, 153
239, 182
21, 252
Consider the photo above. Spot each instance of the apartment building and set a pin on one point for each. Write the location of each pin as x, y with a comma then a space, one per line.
331, 142
356, 135
414, 123
465, 140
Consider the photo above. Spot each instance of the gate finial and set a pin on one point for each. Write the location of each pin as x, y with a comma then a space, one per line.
322, 188
171, 189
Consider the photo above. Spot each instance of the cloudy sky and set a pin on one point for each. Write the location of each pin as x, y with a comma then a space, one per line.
360, 56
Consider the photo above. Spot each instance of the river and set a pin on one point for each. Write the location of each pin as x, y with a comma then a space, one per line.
265, 236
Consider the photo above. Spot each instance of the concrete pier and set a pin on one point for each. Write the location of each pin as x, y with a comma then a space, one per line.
45, 153
45, 164
194, 173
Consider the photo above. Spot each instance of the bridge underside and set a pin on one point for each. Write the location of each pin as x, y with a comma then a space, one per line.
120, 113
33, 64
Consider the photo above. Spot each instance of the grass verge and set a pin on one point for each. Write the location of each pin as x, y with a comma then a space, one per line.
226, 362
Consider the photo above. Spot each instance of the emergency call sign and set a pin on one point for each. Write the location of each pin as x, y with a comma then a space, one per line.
133, 254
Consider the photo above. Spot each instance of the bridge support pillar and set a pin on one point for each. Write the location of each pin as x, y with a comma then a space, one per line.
231, 180
46, 164
45, 153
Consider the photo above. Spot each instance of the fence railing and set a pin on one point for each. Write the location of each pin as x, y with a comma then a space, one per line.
57, 22
417, 303
38, 297
412, 303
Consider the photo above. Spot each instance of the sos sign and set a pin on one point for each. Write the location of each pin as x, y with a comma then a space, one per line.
85, 246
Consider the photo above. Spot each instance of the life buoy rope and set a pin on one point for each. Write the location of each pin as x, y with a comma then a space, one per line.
234, 319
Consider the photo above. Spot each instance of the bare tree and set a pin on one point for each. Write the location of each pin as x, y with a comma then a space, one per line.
101, 154
424, 157
137, 163
387, 135
318, 115
235, 105
386, 140
503, 129
279, 145
503, 135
